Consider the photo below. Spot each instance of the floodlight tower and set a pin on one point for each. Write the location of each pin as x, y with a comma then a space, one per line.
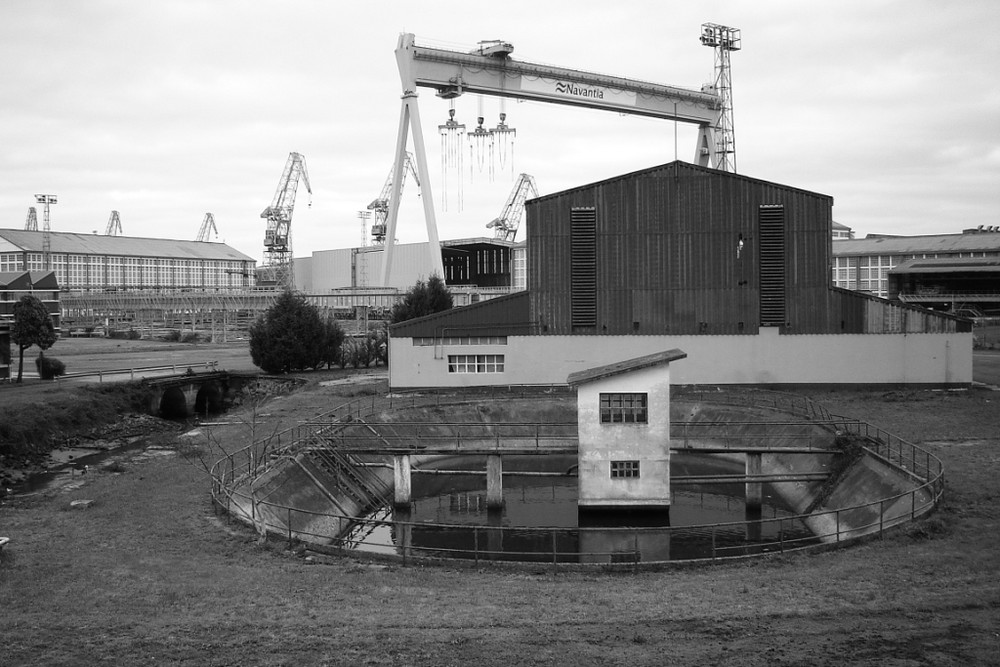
46, 240
723, 39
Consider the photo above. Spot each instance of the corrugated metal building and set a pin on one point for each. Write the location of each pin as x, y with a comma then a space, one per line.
99, 262
731, 269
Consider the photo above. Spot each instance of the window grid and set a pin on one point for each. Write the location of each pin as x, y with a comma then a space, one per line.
624, 469
475, 363
428, 341
624, 408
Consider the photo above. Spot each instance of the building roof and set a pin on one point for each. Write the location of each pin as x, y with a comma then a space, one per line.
911, 245
949, 265
126, 246
627, 366
28, 280
505, 315
672, 170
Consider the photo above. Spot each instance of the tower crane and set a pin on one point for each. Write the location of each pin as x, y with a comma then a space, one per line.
505, 226
207, 228
114, 227
278, 235
380, 206
31, 224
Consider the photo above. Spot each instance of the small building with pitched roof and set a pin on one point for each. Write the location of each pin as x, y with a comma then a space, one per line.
623, 422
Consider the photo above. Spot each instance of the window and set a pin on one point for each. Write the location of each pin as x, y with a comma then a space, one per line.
427, 341
623, 408
475, 363
621, 469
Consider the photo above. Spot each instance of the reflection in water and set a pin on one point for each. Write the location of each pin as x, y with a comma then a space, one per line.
540, 520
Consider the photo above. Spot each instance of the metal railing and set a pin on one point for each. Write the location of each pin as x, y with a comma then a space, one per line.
140, 370
393, 539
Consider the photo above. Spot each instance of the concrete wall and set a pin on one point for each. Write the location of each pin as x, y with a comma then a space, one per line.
649, 443
767, 358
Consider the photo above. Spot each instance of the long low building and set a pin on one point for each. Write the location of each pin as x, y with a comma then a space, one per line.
732, 270
93, 262
865, 264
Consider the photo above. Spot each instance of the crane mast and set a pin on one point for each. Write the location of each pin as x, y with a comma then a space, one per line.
278, 234
380, 206
207, 229
114, 227
505, 226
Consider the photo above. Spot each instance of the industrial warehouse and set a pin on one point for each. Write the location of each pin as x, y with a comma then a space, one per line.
730, 269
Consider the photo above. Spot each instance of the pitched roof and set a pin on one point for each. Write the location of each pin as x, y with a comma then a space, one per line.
671, 170
627, 366
127, 246
911, 245
949, 265
28, 280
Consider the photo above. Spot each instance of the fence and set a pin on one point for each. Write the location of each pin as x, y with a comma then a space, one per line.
615, 547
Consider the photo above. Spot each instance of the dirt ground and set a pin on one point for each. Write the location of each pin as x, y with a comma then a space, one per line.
148, 573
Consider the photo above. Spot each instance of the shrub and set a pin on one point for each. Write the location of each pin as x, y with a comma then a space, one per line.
49, 368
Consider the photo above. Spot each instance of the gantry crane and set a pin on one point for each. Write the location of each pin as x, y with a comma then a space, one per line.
505, 226
114, 227
380, 206
31, 224
278, 235
208, 229
489, 70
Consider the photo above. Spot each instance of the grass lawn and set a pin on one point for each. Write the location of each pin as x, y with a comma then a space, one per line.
149, 574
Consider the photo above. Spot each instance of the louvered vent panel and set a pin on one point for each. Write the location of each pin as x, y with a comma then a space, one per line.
771, 235
583, 271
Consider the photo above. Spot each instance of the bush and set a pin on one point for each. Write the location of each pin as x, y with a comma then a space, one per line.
288, 336
49, 368
190, 337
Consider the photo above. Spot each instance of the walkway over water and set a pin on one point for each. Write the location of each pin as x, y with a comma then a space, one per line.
895, 482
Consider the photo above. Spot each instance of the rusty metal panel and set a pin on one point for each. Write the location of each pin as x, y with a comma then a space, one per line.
501, 316
677, 253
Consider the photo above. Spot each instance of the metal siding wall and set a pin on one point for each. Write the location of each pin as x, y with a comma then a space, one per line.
667, 253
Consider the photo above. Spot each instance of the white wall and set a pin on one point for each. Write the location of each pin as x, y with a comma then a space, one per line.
647, 443
767, 358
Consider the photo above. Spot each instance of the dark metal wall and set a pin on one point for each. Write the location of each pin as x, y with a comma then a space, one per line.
669, 258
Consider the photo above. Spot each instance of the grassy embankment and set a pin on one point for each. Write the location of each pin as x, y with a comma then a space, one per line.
149, 574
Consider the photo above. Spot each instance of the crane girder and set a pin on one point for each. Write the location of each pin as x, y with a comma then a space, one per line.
493, 72
505, 226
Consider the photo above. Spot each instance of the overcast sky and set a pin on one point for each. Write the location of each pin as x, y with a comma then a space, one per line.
167, 110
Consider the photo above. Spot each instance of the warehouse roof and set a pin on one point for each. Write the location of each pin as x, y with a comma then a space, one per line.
949, 265
15, 240
912, 245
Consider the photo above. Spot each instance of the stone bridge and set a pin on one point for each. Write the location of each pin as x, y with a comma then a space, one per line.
180, 396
